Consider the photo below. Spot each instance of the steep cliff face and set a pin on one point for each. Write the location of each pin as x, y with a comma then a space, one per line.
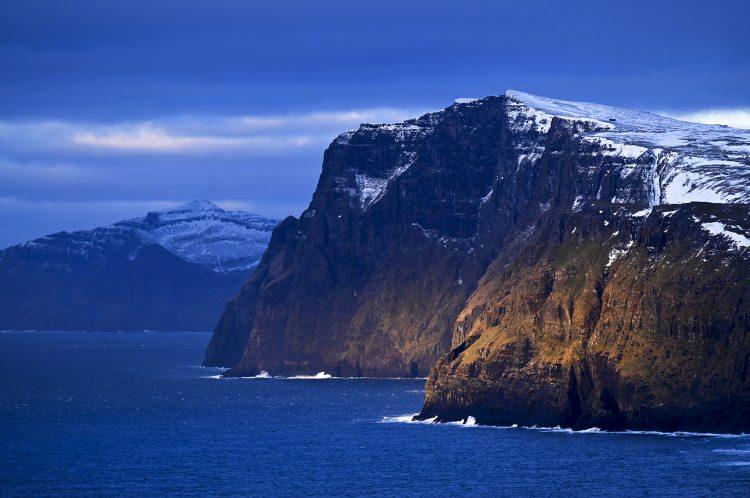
624, 305
580, 264
608, 321
371, 277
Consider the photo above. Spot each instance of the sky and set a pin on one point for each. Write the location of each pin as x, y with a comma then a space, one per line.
111, 109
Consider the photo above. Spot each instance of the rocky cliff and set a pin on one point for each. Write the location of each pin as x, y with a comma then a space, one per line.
565, 264
369, 280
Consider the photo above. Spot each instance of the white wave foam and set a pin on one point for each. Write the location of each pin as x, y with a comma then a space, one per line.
219, 371
262, 375
590, 430
557, 428
409, 419
402, 419
317, 376
471, 422
685, 434
736, 464
597, 430
467, 422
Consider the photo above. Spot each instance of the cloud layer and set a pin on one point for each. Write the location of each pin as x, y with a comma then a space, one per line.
737, 118
60, 174
194, 134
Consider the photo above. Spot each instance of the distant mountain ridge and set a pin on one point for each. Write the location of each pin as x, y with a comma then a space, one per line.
170, 270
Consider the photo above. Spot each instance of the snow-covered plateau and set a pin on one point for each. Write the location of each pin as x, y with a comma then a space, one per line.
684, 162
692, 162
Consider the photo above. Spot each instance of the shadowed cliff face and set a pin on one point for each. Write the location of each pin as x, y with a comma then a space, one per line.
370, 279
560, 333
533, 241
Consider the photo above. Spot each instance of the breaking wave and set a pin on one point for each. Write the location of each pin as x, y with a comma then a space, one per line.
220, 371
471, 422
319, 375
409, 419
262, 375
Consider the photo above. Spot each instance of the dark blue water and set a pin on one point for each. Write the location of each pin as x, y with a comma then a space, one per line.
132, 414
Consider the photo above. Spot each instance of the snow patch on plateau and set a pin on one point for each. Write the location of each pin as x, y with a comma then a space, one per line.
677, 161
692, 162
739, 241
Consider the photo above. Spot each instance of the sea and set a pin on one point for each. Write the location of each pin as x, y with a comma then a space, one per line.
134, 414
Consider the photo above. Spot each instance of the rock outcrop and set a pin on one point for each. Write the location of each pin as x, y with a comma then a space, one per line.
565, 264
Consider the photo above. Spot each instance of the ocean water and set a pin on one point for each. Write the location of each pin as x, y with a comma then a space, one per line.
127, 414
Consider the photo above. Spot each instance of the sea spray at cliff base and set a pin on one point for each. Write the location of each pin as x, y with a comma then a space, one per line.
470, 421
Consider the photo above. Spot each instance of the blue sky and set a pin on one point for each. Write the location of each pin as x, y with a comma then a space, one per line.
111, 109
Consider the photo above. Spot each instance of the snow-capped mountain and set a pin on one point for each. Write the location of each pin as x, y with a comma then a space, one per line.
198, 232
683, 161
204, 233
632, 158
169, 270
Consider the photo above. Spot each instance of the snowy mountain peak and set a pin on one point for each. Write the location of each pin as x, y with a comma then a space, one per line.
199, 232
204, 233
608, 117
200, 205
193, 206
188, 210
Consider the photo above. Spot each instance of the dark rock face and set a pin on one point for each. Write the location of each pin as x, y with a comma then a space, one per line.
370, 279
550, 262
